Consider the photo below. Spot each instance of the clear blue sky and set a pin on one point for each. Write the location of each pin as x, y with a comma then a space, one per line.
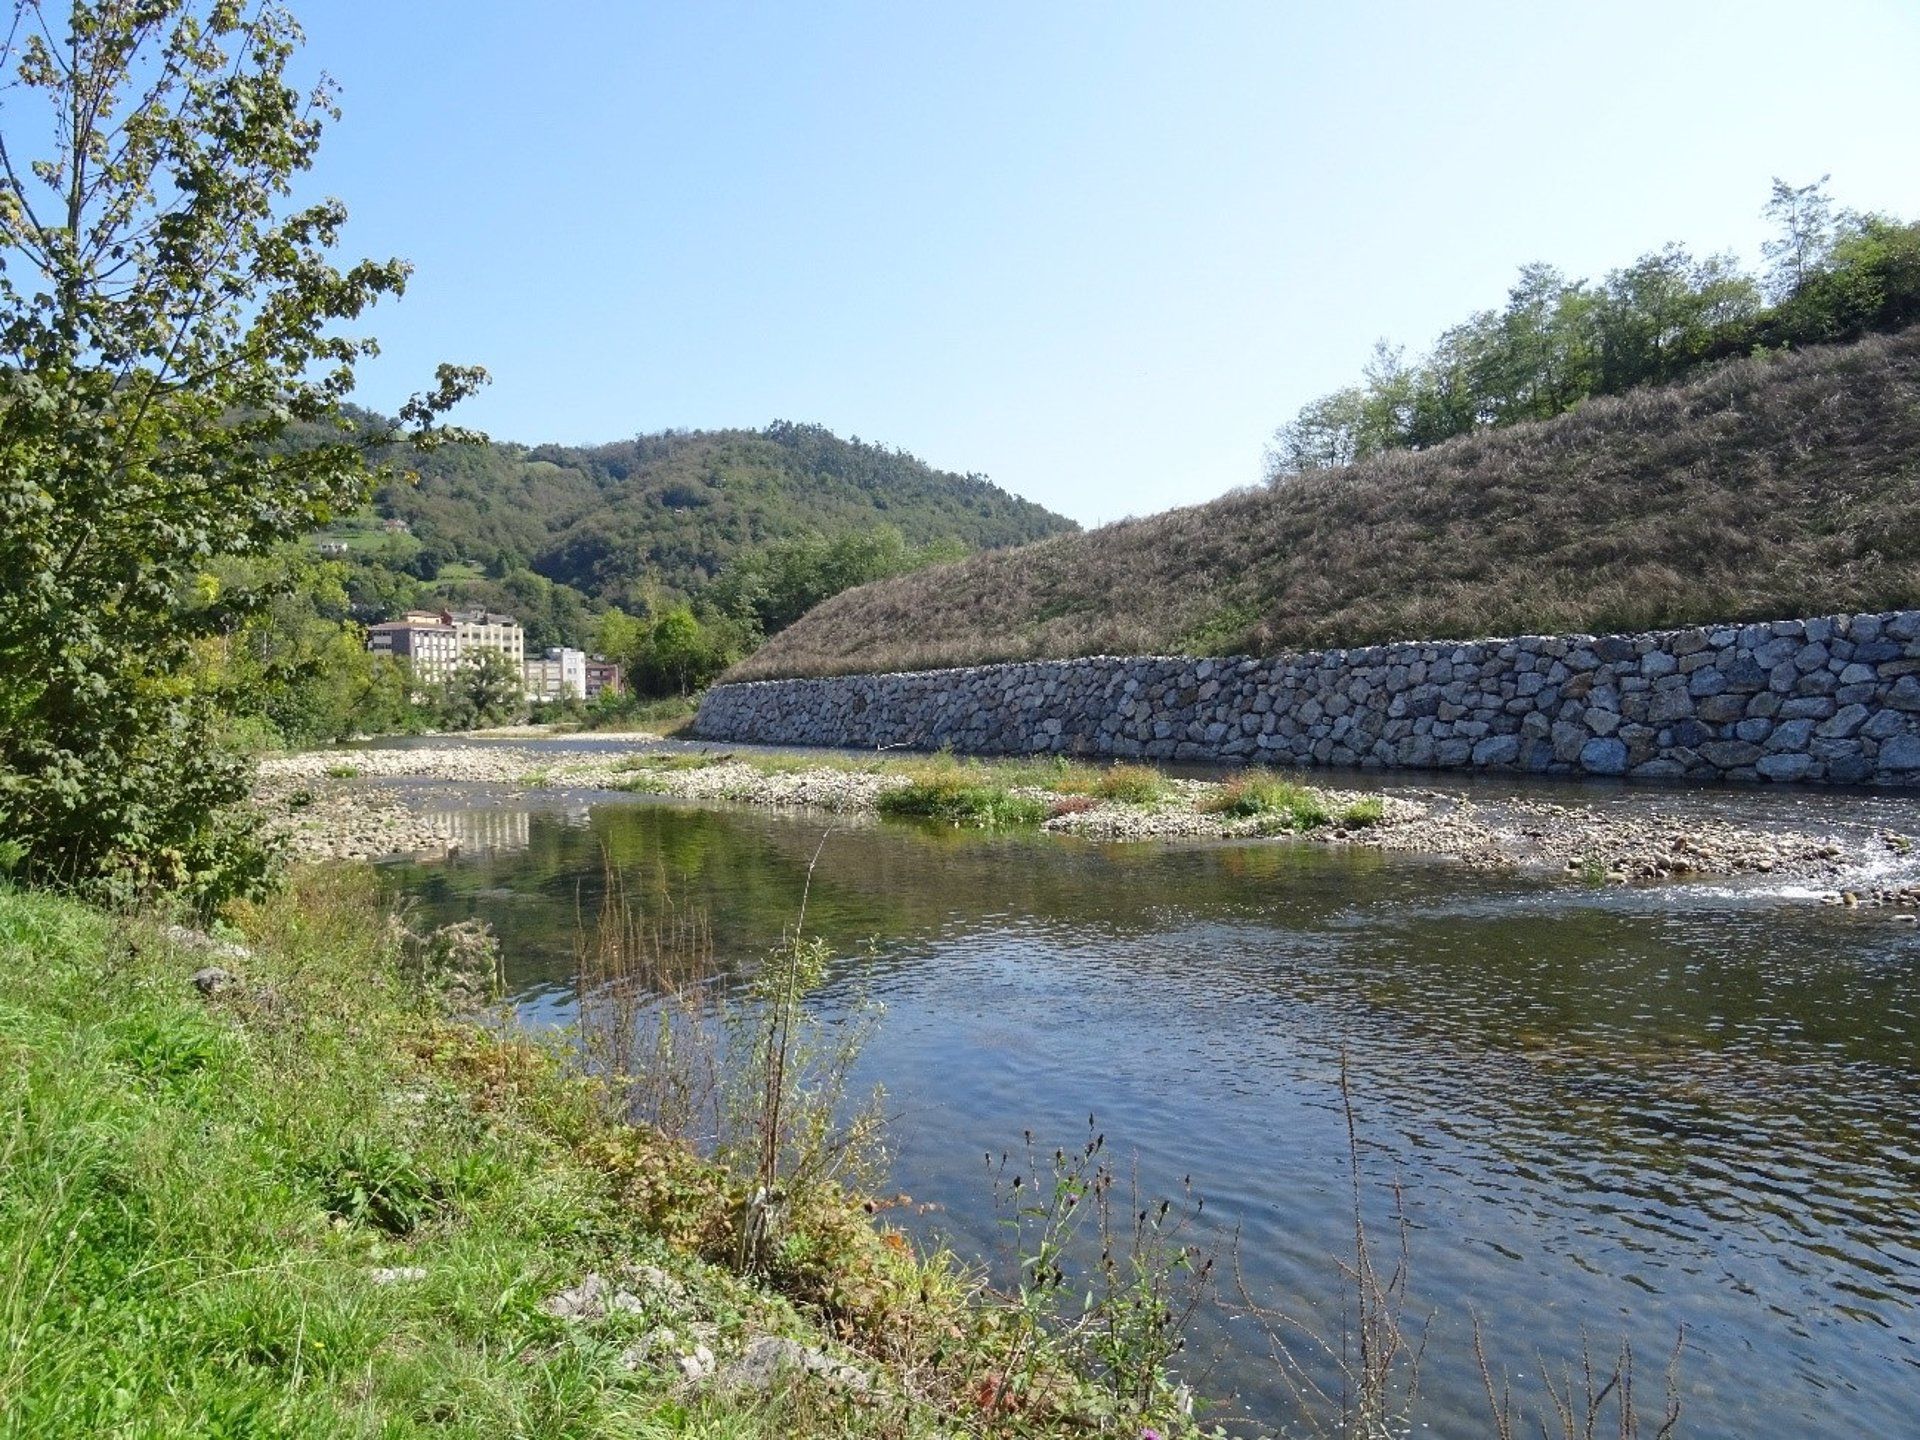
1097, 251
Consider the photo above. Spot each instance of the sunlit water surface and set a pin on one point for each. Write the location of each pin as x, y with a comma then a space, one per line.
1613, 1114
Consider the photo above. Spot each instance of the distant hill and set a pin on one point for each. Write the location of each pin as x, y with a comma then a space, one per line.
1776, 486
664, 513
556, 533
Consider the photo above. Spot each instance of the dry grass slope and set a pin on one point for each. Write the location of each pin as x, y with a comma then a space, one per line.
1780, 486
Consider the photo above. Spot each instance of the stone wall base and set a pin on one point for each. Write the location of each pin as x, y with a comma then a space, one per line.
1834, 700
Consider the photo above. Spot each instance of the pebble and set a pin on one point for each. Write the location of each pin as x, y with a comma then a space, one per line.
398, 1275
592, 1299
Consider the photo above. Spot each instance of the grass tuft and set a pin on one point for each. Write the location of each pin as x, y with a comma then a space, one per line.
1131, 785
954, 797
1362, 814
1281, 805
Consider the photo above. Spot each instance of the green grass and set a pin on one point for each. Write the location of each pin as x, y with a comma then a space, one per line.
364, 533
197, 1193
643, 771
673, 761
1362, 814
1131, 785
955, 797
1282, 804
1284, 807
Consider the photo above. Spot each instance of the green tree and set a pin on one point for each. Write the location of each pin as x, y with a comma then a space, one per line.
618, 636
678, 648
773, 586
1803, 215
1870, 281
167, 312
484, 689
1659, 317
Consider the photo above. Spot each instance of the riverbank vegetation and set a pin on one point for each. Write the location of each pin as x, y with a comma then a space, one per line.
953, 798
975, 793
270, 1185
1286, 806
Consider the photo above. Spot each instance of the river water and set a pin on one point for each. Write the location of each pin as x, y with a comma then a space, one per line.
1631, 1113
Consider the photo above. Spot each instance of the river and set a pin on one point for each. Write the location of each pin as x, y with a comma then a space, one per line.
1617, 1113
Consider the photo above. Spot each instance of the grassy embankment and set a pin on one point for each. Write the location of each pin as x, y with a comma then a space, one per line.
309, 1204
1002, 794
1772, 487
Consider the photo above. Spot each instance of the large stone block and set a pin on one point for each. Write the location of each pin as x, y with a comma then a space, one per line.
1785, 767
1901, 753
1601, 756
1497, 750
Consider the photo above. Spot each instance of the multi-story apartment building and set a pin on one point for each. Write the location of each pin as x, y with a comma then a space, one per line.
560, 674
478, 630
433, 642
427, 641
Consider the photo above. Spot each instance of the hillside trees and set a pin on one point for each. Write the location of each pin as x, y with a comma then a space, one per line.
167, 312
776, 584
1558, 342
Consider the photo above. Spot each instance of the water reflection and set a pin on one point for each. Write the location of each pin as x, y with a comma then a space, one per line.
1617, 1112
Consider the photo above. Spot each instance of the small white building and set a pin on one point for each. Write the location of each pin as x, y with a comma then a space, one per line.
560, 674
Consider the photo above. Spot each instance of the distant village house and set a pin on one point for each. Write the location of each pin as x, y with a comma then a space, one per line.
603, 676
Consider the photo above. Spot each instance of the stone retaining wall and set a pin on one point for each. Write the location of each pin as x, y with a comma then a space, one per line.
1834, 700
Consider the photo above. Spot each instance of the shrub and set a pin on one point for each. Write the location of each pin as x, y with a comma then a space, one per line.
1363, 813
954, 798
1281, 804
1133, 784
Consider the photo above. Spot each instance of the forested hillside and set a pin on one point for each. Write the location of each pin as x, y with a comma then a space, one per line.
1783, 484
647, 522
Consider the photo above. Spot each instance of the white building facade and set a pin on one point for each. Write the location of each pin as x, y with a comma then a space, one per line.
561, 674
435, 642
